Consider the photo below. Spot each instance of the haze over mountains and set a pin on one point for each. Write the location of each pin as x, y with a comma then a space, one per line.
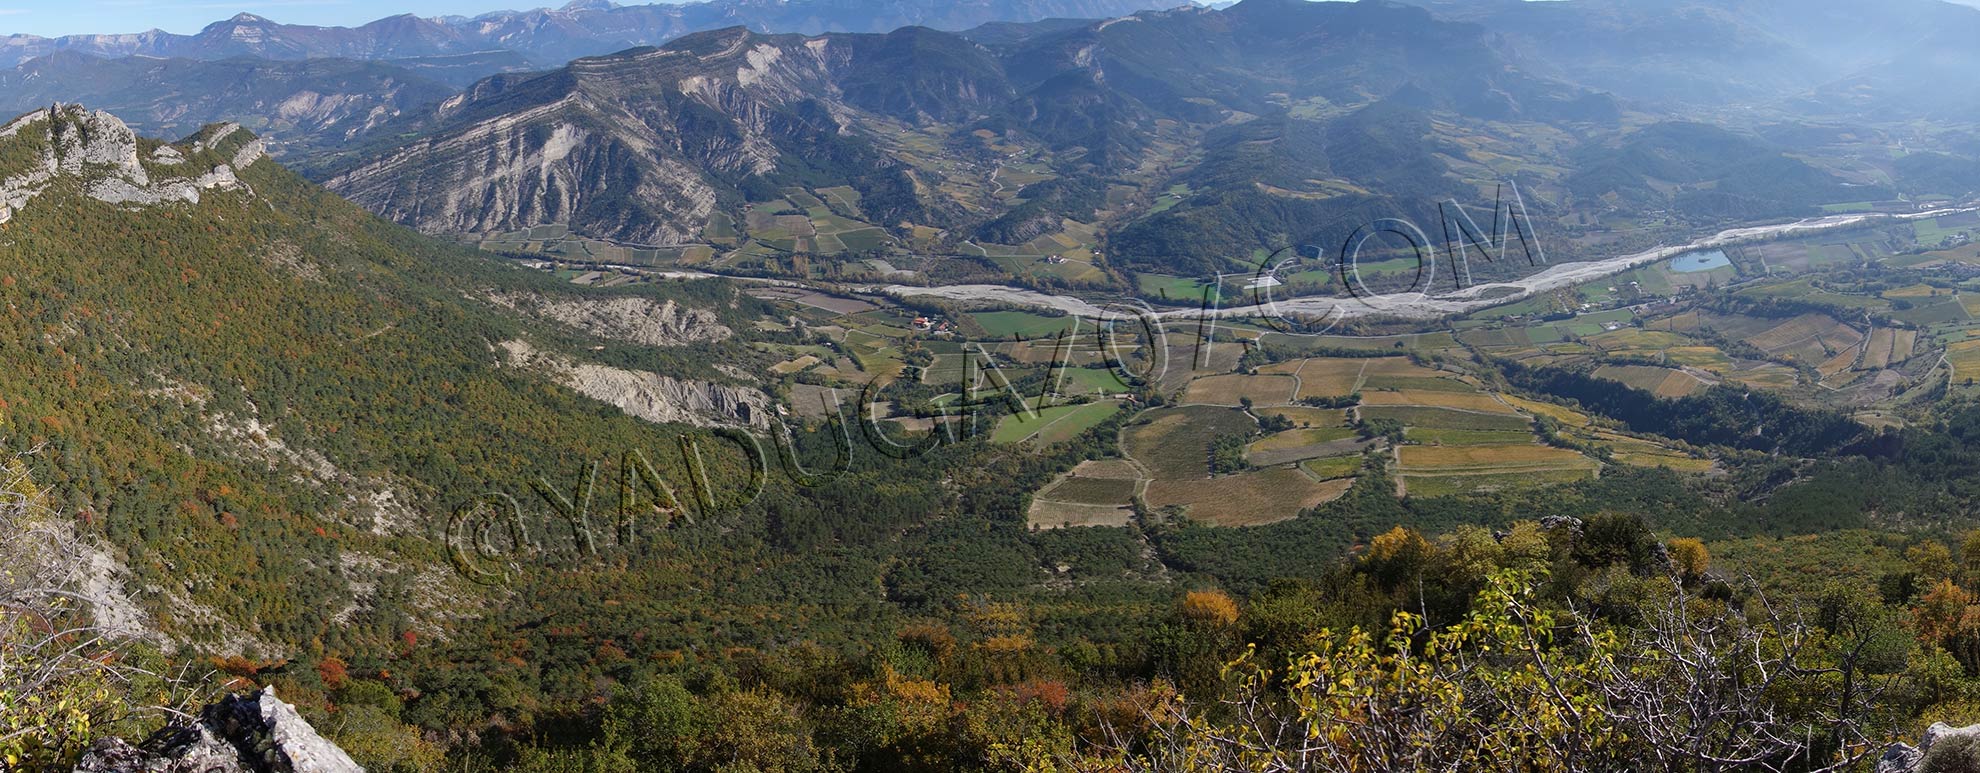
486, 385
549, 37
1284, 121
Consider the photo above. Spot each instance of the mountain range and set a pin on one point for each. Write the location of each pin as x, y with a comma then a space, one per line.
549, 37
651, 145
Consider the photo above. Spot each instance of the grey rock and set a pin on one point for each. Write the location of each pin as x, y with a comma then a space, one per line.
101, 151
253, 733
1900, 758
1944, 749
1568, 522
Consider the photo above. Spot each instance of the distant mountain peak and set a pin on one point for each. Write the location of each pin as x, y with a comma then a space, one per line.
551, 36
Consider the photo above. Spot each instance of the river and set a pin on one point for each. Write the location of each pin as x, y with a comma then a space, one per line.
1418, 305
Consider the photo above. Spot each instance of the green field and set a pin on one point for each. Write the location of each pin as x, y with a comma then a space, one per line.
1445, 485
1005, 324
1175, 289
1466, 437
1333, 467
1056, 424
1077, 381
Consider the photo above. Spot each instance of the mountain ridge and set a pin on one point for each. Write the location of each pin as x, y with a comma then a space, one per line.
550, 36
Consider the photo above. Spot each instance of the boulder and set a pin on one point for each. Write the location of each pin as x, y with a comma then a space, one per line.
1944, 749
253, 733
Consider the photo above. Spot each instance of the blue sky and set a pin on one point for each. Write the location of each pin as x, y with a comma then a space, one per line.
67, 17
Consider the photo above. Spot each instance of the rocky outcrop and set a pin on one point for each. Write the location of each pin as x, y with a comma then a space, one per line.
1944, 749
70, 142
648, 396
628, 318
253, 733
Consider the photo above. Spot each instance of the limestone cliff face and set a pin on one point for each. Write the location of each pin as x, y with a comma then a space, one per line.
254, 733
642, 146
95, 149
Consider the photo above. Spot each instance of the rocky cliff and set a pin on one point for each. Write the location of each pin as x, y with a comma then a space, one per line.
253, 733
649, 396
69, 143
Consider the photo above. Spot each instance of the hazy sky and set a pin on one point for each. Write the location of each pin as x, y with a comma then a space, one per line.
70, 17
67, 17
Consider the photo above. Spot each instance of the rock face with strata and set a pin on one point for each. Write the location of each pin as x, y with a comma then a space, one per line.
253, 733
642, 146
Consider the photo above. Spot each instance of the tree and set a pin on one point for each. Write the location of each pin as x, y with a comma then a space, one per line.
1931, 558
1519, 686
63, 678
1690, 558
1209, 609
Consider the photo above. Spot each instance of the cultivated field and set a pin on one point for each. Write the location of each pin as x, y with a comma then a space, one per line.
1441, 470
1662, 382
1303, 416
1231, 390
1247, 499
1463, 401
1174, 443
1329, 376
1444, 418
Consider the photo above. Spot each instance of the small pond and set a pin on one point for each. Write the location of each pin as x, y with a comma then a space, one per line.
1692, 262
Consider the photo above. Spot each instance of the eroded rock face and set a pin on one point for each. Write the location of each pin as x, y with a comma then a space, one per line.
253, 733
648, 396
101, 152
1944, 749
641, 146
625, 318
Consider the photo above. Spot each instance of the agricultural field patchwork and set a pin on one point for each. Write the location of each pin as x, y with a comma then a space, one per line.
1246, 499
1233, 390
